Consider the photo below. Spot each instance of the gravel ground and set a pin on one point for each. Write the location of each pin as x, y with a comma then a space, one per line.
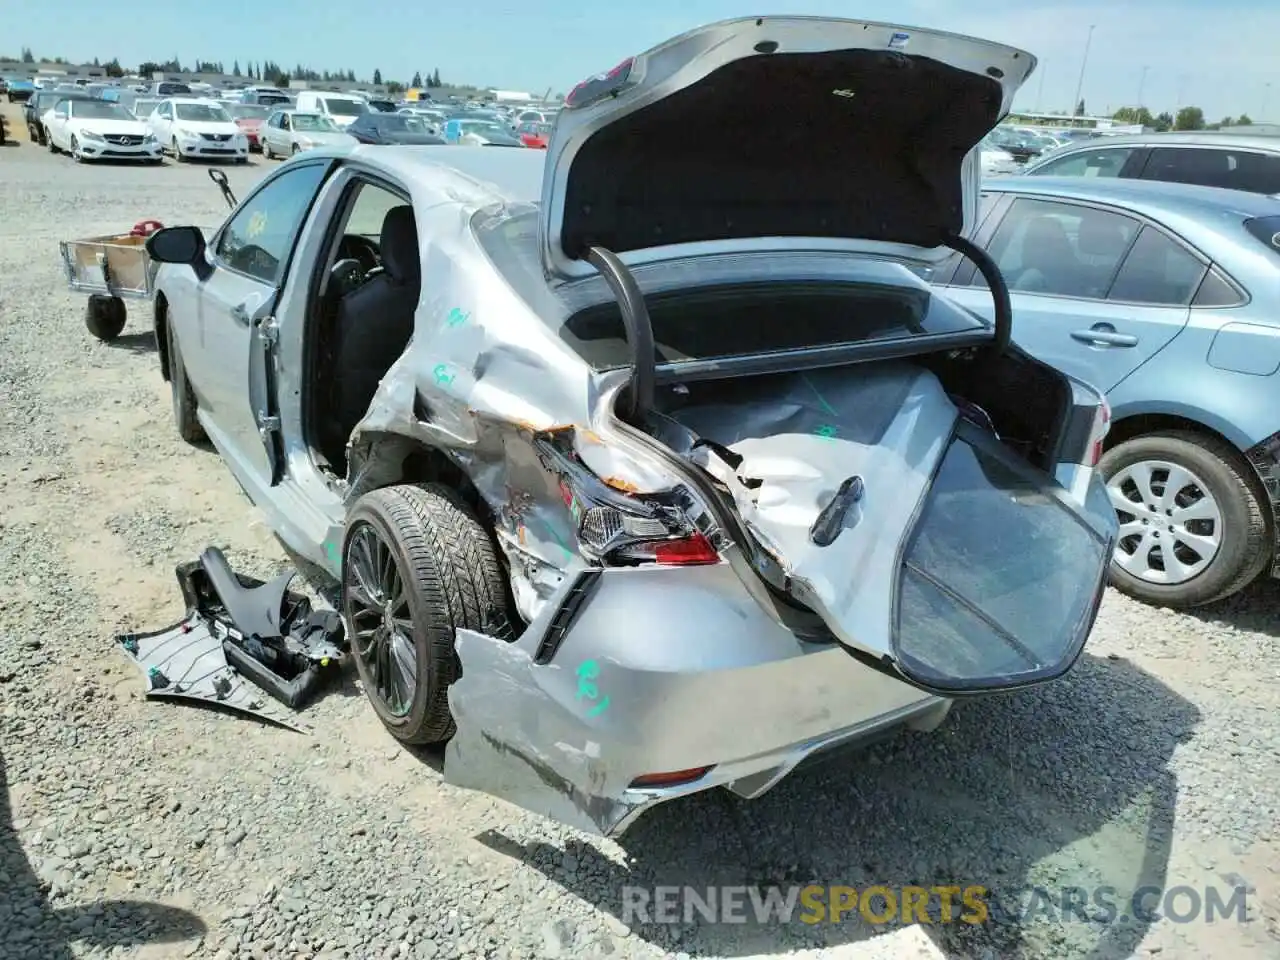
136, 829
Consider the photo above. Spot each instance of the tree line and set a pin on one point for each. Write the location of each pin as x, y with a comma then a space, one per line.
260, 71
1187, 118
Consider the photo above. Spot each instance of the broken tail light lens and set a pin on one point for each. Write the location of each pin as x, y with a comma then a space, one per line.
619, 537
621, 529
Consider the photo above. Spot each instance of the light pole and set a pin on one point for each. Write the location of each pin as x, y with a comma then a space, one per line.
1084, 62
1266, 95
1040, 89
1142, 83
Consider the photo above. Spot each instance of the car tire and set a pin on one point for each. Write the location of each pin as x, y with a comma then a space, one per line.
177, 154
184, 398
52, 148
293, 151
76, 155
450, 579
1241, 531
266, 152
105, 317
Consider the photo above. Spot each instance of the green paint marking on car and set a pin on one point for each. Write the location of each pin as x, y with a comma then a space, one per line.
588, 671
826, 407
826, 431
444, 376
334, 553
457, 317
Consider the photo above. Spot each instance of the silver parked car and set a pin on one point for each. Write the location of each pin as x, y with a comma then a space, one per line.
645, 465
287, 132
1205, 159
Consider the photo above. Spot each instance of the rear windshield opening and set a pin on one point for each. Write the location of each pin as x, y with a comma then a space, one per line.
1267, 231
746, 319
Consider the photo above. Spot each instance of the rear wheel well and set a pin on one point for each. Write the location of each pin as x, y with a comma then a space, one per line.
387, 459
397, 459
1142, 424
162, 334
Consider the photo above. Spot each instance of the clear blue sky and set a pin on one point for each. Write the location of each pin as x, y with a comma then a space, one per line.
1218, 55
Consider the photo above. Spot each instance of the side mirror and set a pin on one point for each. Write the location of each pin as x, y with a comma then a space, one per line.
177, 245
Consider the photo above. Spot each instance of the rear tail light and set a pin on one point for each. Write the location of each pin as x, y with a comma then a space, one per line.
624, 529
1101, 427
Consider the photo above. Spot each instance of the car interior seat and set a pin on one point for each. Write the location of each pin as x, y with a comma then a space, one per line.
1049, 260
372, 328
1101, 242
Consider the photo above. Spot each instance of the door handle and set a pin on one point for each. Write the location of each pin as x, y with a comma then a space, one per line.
240, 314
1104, 338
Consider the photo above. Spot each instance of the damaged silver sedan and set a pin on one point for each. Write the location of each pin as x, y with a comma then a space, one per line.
650, 463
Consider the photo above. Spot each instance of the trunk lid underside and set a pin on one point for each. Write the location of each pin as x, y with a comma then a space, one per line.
827, 129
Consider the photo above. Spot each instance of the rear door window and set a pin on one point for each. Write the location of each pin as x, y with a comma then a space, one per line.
1106, 162
1223, 167
1158, 271
1060, 249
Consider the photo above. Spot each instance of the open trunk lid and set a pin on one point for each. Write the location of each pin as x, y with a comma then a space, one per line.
848, 134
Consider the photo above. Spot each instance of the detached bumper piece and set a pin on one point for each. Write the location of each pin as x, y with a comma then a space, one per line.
240, 639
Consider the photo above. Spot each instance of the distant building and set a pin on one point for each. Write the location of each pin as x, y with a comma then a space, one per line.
1023, 118
1253, 129
511, 96
59, 71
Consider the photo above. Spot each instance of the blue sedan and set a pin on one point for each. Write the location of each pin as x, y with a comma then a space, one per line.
1167, 298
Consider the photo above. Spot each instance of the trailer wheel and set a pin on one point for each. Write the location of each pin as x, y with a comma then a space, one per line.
104, 316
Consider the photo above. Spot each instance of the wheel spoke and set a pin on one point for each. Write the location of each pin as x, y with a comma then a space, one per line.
386, 568
1203, 509
1134, 528
1205, 546
369, 637
1119, 501
363, 566
1175, 570
1178, 480
1141, 476
1138, 562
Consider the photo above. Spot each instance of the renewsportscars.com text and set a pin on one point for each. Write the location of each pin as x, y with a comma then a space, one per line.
973, 904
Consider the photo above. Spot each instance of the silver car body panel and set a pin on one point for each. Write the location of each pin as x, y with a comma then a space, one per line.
489, 381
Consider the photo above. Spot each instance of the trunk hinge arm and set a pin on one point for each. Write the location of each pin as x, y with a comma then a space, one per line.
995, 281
639, 330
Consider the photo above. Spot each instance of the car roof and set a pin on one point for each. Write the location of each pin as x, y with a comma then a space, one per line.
1153, 195
1187, 138
483, 176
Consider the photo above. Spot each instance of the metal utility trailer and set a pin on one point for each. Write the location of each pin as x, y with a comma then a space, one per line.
113, 269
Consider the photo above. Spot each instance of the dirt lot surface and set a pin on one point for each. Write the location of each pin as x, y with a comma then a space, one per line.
144, 829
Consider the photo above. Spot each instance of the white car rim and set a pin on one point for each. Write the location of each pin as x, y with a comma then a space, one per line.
1170, 524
